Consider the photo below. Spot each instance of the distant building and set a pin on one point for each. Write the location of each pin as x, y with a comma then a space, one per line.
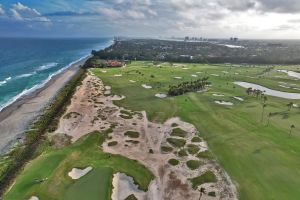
114, 63
234, 39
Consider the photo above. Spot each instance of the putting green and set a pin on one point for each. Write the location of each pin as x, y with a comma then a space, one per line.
47, 176
262, 159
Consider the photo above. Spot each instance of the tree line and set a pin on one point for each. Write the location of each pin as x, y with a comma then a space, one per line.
189, 86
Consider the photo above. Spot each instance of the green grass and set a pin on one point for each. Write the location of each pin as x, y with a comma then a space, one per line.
207, 177
131, 197
178, 132
204, 154
263, 160
173, 162
132, 134
176, 142
55, 165
182, 153
192, 149
196, 139
166, 149
193, 164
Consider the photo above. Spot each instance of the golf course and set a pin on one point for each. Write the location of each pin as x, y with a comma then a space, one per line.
259, 150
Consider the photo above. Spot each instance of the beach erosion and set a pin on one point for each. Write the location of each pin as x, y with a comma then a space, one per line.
17, 117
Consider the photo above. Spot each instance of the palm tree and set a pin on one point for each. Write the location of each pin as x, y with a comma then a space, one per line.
269, 116
202, 191
265, 98
290, 105
291, 128
263, 112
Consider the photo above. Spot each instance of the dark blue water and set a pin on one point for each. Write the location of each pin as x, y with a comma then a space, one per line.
26, 64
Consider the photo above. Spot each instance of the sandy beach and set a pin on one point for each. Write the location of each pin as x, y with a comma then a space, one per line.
15, 118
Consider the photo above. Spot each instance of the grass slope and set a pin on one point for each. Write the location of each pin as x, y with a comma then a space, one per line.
262, 159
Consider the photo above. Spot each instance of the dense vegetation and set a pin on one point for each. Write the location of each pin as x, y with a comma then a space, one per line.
255, 52
192, 86
34, 137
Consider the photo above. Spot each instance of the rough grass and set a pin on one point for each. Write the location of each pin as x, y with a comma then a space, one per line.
166, 149
131, 197
176, 142
192, 149
204, 154
182, 153
132, 134
207, 177
173, 162
55, 164
235, 135
196, 139
178, 132
193, 164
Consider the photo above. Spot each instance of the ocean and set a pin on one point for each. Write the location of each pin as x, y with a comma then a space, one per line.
27, 64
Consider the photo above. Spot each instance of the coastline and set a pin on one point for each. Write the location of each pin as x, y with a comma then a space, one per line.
16, 117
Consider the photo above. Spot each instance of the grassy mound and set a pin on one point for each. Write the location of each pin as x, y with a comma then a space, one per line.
193, 164
173, 162
178, 132
166, 149
176, 142
196, 139
182, 153
207, 177
204, 154
131, 197
132, 134
192, 149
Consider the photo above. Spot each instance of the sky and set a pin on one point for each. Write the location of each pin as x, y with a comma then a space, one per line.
248, 19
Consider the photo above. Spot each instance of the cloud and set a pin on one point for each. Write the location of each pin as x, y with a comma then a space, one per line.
2, 11
21, 12
68, 14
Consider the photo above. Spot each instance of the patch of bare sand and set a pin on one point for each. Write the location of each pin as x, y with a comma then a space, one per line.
98, 112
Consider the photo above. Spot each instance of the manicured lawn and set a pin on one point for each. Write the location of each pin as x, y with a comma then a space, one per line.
263, 160
53, 167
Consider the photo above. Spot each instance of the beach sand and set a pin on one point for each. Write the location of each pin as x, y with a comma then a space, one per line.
16, 118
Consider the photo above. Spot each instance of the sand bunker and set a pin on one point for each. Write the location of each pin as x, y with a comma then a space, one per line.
239, 98
215, 74
194, 75
33, 198
123, 186
146, 86
284, 86
185, 68
118, 75
178, 77
132, 81
218, 95
225, 103
295, 105
161, 96
103, 71
78, 173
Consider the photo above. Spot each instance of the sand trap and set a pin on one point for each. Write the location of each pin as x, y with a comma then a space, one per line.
132, 81
218, 95
236, 73
225, 103
107, 87
178, 77
185, 68
33, 198
103, 71
161, 96
284, 86
239, 98
295, 105
146, 86
123, 186
194, 75
118, 75
198, 72
78, 173
215, 74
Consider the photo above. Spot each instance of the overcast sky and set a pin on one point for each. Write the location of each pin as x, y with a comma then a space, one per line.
265, 19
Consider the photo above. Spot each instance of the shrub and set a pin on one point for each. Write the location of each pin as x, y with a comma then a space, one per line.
113, 143
192, 149
131, 197
204, 154
173, 162
212, 194
207, 177
176, 142
182, 153
196, 139
166, 149
193, 164
132, 134
178, 132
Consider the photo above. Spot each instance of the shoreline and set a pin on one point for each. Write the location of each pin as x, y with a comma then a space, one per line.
16, 118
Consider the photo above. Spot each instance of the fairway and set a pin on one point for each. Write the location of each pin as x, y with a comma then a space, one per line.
262, 158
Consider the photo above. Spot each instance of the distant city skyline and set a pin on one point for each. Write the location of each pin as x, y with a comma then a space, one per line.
245, 19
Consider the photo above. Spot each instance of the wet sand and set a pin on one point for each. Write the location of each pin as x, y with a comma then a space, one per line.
16, 118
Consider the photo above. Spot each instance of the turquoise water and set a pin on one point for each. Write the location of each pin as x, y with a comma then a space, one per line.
27, 64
